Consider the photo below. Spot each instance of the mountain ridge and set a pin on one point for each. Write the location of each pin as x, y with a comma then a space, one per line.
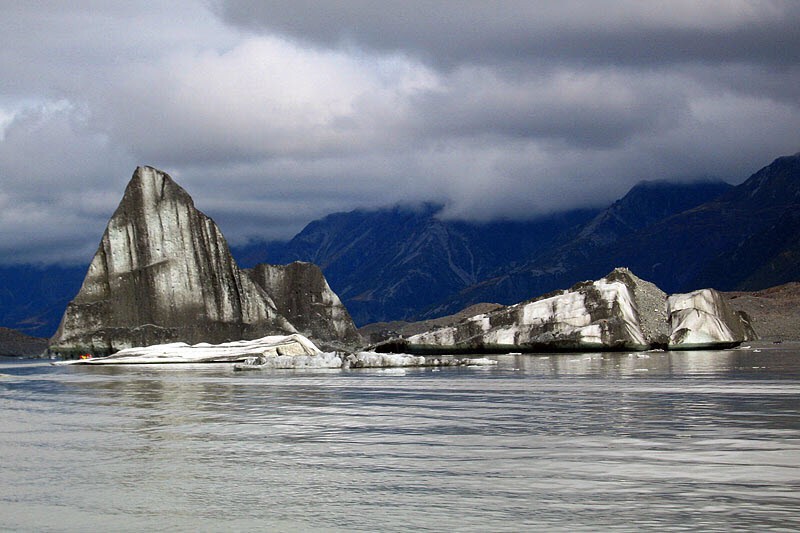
417, 256
693, 248
405, 263
402, 264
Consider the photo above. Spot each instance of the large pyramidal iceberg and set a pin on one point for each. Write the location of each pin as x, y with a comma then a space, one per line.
163, 273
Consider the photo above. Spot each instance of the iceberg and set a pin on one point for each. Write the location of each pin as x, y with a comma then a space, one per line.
592, 316
294, 345
163, 273
619, 312
702, 319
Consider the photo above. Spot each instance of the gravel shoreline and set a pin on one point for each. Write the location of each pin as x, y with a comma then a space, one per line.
775, 312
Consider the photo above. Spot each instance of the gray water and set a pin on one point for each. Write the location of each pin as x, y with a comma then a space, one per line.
661, 441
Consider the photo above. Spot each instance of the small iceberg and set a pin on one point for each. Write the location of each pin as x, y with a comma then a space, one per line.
393, 371
229, 352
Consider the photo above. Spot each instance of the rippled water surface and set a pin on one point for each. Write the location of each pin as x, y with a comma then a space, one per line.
659, 441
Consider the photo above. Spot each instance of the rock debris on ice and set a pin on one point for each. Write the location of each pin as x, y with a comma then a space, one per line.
617, 312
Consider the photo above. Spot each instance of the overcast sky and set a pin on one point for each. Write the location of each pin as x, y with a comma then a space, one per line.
272, 114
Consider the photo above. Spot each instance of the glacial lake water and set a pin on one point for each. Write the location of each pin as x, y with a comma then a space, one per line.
680, 441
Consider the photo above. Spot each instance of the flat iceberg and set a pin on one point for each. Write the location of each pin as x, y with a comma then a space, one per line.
274, 361
294, 345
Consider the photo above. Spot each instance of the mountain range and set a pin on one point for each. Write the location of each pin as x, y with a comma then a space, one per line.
409, 263
391, 264
406, 264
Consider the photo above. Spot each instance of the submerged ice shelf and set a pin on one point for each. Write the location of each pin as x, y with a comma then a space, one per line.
357, 360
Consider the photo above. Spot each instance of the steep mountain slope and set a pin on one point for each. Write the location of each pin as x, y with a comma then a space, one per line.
767, 208
645, 204
399, 264
747, 237
580, 254
767, 258
725, 242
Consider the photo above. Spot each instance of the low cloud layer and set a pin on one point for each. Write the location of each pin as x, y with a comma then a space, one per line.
272, 114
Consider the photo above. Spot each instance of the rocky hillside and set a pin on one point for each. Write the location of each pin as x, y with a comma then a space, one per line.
14, 343
587, 251
729, 243
401, 264
745, 238
775, 312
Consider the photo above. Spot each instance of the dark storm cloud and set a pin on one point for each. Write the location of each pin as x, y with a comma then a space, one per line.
467, 31
597, 108
272, 114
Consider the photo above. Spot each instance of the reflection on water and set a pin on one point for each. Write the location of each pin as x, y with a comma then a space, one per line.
680, 440
768, 361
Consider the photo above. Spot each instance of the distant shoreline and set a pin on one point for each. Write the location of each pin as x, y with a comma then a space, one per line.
775, 312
